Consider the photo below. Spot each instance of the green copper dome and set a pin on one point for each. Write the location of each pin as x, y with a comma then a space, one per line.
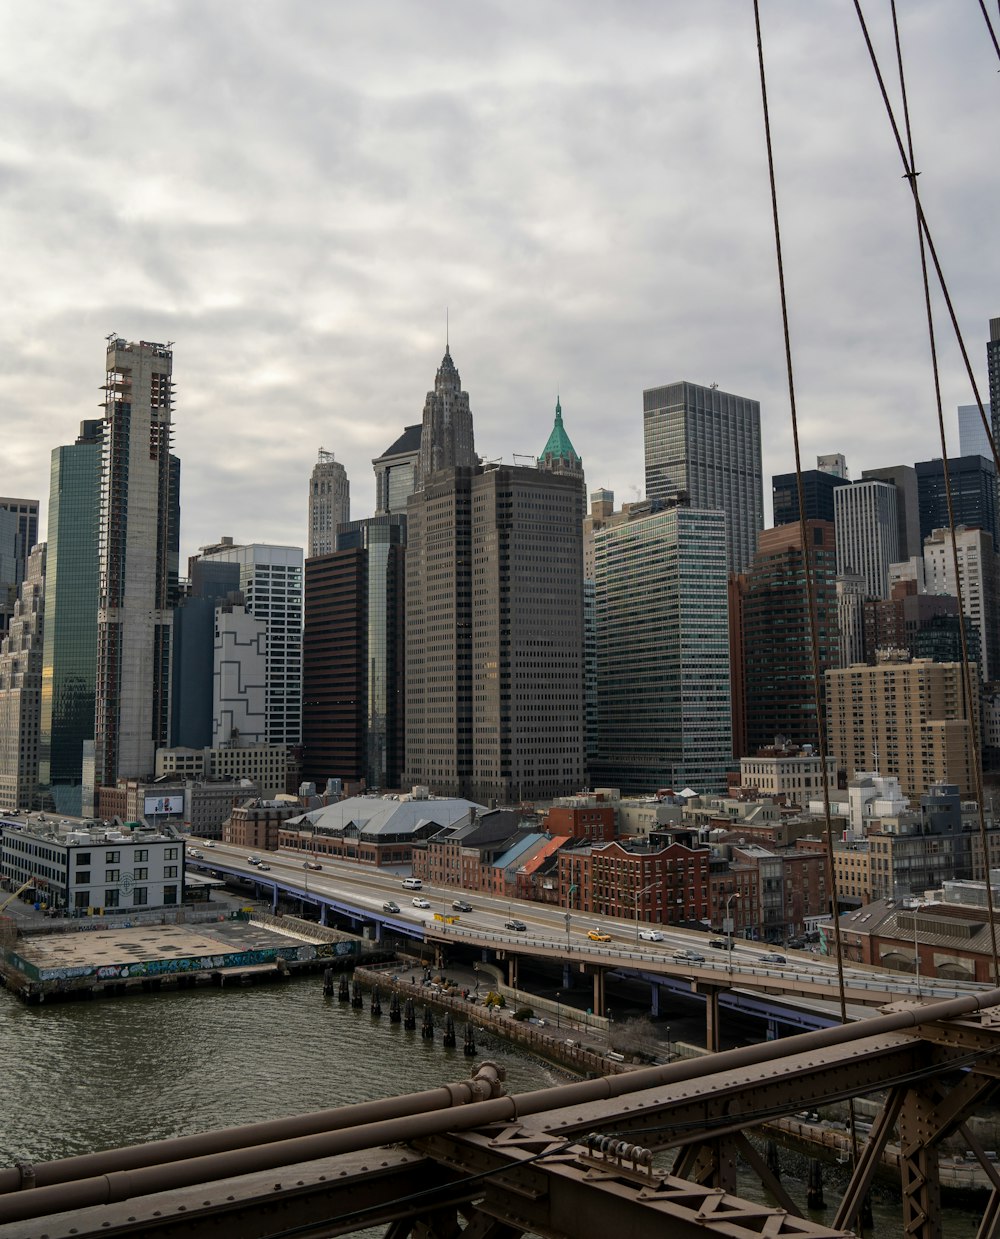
559, 449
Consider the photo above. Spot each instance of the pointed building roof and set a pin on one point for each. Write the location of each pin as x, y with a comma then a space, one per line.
559, 451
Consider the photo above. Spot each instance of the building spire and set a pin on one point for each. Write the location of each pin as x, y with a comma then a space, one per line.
559, 452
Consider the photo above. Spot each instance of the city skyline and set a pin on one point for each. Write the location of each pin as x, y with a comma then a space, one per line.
296, 205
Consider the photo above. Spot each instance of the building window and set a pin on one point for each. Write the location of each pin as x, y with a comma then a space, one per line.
112, 858
142, 854
83, 877
111, 898
141, 875
170, 854
83, 858
112, 875
170, 871
170, 894
140, 896
82, 899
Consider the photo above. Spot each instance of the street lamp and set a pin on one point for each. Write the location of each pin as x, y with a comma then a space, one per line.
644, 890
558, 996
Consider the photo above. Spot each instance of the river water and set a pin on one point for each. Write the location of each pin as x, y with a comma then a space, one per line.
85, 1076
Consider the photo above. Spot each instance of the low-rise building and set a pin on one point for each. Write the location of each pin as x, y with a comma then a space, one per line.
257, 824
274, 768
788, 772
83, 866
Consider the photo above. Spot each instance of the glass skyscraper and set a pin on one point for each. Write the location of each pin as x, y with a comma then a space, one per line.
69, 648
663, 695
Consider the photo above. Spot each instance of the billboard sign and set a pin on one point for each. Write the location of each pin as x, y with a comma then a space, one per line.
158, 806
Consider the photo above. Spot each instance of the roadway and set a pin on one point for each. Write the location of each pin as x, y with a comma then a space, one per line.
554, 932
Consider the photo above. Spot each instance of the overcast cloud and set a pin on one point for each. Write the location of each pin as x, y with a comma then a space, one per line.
293, 192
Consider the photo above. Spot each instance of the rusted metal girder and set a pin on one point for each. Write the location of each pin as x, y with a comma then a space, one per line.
686, 1105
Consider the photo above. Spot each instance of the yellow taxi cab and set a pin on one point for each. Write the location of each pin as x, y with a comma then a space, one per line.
598, 935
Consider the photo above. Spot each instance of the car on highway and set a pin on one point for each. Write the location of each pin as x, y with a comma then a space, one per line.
721, 944
419, 901
264, 868
207, 843
311, 864
772, 957
598, 935
195, 854
517, 926
390, 905
651, 935
253, 860
459, 905
688, 956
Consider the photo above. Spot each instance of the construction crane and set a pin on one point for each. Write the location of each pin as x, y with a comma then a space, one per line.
10, 898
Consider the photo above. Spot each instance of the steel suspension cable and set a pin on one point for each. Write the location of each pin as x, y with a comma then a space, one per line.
989, 27
971, 696
803, 533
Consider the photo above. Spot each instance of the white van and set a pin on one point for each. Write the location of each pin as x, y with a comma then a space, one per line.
412, 884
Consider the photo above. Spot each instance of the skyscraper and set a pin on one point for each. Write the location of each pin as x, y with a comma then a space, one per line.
329, 502
138, 561
72, 596
271, 584
973, 486
396, 471
993, 373
494, 614
446, 437
818, 486
354, 656
867, 533
21, 690
904, 479
778, 676
979, 578
23, 527
705, 444
972, 437
663, 687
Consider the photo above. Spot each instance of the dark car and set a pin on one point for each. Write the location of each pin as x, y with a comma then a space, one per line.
795, 944
721, 944
518, 926
772, 957
311, 864
459, 905
390, 905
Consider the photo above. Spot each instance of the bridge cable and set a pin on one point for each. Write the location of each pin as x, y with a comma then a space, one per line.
807, 563
989, 27
925, 245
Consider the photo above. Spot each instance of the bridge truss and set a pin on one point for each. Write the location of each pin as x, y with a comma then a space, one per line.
644, 1153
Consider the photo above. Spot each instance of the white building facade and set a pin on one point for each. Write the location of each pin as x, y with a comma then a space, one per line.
867, 530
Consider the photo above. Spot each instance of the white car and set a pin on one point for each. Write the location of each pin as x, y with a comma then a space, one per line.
419, 902
651, 935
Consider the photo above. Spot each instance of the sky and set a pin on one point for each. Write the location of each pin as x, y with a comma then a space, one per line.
295, 194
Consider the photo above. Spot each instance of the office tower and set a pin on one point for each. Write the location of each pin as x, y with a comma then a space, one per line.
663, 685
329, 502
18, 534
239, 677
705, 444
494, 628
866, 519
72, 597
993, 373
973, 484
446, 437
138, 565
818, 486
354, 656
396, 471
602, 511
834, 463
271, 584
910, 720
979, 578
904, 478
851, 594
778, 672
21, 690
193, 667
972, 437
